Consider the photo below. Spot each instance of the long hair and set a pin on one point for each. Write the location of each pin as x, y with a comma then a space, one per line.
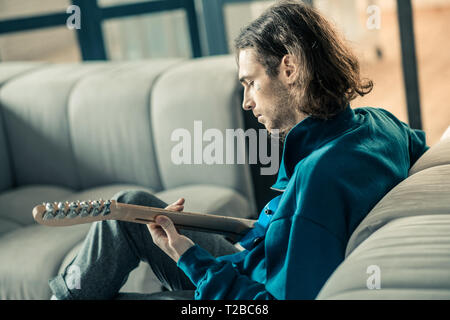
329, 72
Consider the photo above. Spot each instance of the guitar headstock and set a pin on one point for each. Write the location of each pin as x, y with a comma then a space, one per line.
53, 213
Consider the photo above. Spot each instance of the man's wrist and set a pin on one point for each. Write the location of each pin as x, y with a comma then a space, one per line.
181, 249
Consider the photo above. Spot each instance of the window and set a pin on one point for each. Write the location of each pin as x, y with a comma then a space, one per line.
373, 34
237, 15
154, 35
25, 8
60, 45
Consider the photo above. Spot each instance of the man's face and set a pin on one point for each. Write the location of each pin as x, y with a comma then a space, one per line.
268, 98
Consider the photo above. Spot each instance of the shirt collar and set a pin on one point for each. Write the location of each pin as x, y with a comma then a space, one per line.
307, 136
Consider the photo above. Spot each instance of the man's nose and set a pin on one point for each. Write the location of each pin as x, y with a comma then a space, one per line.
248, 104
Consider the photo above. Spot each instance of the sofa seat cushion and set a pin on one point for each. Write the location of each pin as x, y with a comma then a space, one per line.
31, 256
408, 258
17, 204
7, 225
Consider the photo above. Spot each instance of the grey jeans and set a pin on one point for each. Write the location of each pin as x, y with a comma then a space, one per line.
112, 249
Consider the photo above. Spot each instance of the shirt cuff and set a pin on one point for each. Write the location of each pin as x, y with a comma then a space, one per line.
195, 262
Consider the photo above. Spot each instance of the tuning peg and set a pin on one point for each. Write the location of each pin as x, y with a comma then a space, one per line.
84, 209
95, 208
72, 213
106, 207
49, 209
61, 212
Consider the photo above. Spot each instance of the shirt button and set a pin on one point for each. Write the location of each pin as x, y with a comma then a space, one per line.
268, 212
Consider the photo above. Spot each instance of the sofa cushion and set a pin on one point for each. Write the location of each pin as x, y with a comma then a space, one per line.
6, 178
109, 114
17, 204
426, 192
36, 122
438, 155
7, 225
9, 71
408, 258
32, 255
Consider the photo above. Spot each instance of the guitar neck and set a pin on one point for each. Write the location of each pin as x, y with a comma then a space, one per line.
65, 214
230, 226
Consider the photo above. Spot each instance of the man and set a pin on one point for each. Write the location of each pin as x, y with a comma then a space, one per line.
298, 78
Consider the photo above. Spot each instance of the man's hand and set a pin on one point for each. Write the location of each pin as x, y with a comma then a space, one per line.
166, 237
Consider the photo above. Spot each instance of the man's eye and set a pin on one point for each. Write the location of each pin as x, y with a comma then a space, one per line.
251, 83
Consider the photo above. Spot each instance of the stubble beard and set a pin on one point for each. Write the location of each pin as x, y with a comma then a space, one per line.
285, 114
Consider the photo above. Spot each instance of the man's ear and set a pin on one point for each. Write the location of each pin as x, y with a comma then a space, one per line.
288, 69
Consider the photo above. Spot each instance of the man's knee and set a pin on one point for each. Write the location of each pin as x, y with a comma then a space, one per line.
139, 197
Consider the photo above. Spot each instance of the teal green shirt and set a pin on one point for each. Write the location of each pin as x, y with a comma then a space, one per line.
332, 174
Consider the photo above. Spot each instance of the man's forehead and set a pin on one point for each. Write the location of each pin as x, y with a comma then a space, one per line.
248, 64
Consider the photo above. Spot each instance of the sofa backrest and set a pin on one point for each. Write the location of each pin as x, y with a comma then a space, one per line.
90, 124
405, 239
5, 166
111, 126
9, 72
37, 123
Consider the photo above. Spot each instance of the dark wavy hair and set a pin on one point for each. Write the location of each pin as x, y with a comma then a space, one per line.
329, 72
